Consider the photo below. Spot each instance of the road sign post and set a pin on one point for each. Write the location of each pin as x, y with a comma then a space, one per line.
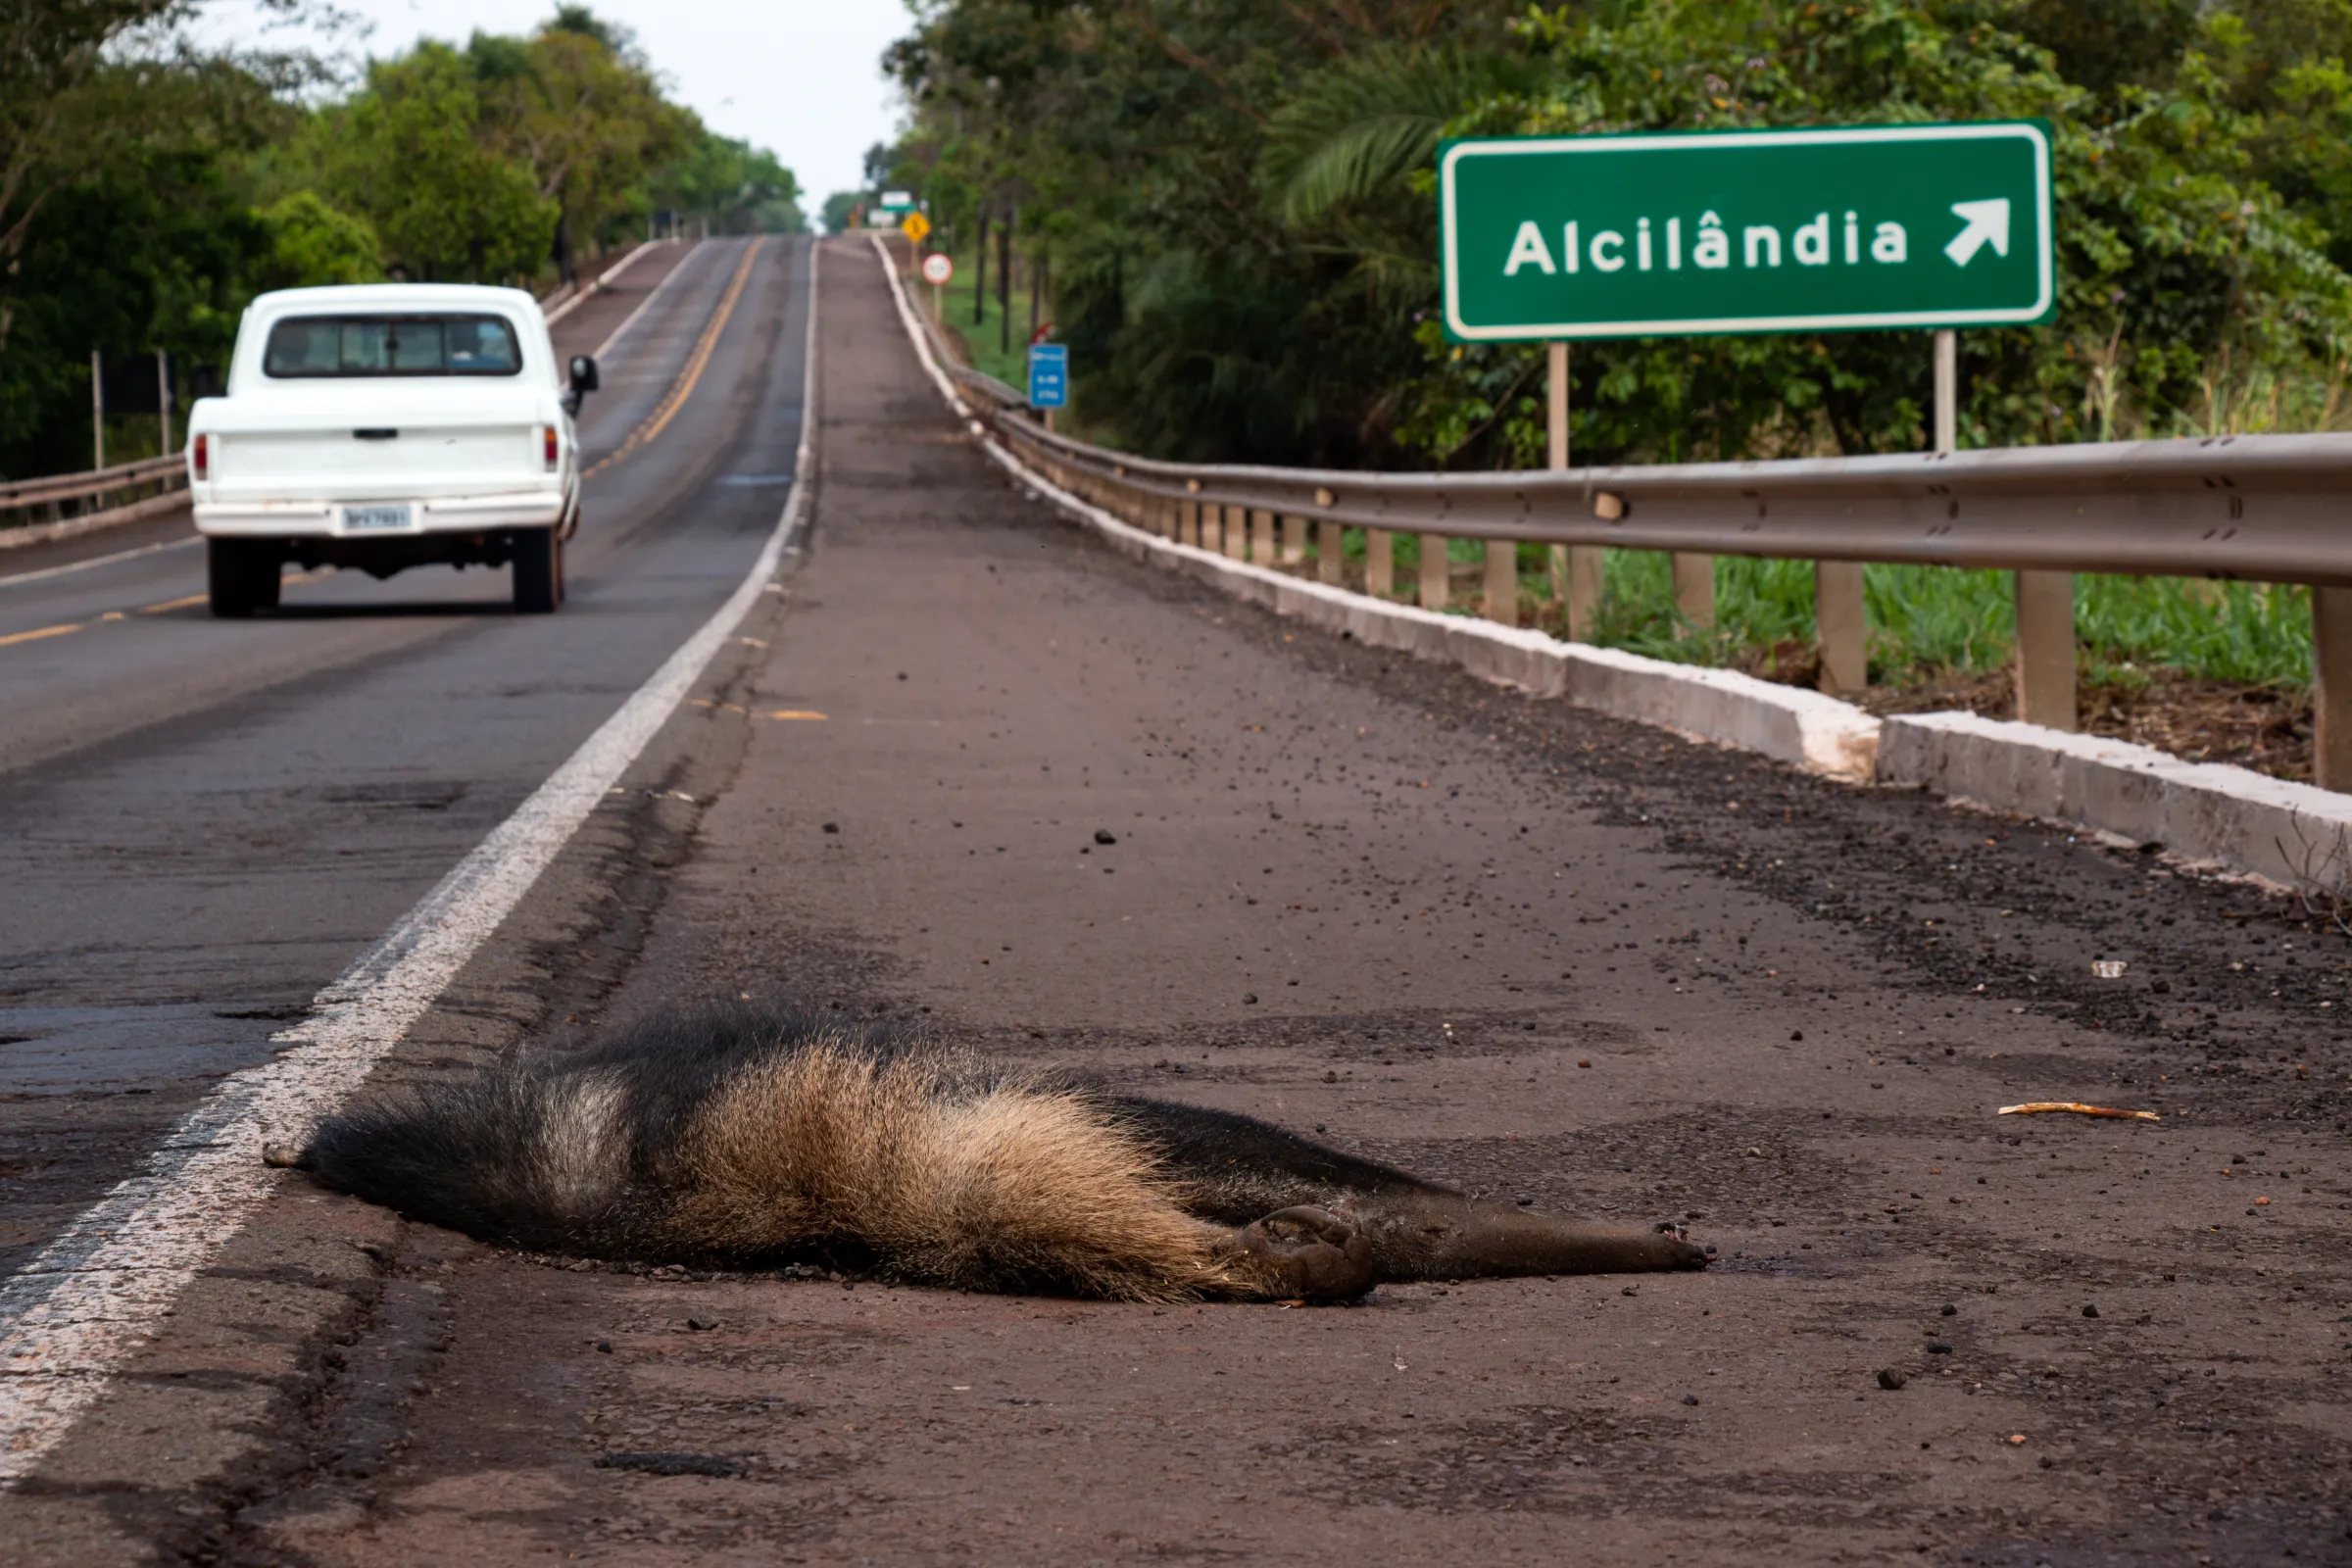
1846, 228
1049, 378
938, 267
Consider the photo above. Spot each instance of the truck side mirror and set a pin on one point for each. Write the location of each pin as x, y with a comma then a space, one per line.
583, 373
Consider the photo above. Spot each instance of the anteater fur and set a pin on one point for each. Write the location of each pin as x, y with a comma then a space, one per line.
741, 1136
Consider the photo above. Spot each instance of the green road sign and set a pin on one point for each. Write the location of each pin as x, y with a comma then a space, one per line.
1847, 229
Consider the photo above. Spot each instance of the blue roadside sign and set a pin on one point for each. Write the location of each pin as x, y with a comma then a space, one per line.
1049, 376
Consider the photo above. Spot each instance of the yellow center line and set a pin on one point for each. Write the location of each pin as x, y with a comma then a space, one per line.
692, 372
38, 633
796, 712
115, 615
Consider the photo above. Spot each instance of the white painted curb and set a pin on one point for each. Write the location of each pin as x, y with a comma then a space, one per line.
2286, 832
2292, 834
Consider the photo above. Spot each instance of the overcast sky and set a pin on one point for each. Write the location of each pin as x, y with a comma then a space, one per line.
800, 78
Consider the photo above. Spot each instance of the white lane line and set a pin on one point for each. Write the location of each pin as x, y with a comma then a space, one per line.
647, 304
78, 1313
15, 578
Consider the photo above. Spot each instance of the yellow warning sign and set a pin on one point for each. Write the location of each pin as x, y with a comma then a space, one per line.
915, 225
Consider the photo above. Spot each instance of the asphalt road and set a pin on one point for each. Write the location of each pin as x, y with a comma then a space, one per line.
1508, 944
204, 821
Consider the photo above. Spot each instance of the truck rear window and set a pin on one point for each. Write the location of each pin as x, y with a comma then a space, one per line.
391, 345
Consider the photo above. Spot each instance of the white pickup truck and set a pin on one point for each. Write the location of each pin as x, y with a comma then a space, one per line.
384, 426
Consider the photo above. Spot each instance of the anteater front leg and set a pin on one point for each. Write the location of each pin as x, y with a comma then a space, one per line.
1303, 1252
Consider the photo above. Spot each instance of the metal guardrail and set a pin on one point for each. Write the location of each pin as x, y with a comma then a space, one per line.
2258, 508
66, 495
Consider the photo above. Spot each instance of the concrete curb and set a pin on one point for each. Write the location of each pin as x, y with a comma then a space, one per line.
2295, 835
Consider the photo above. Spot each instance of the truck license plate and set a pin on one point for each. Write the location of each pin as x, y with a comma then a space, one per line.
358, 519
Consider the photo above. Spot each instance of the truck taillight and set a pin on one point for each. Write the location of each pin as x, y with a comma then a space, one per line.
203, 452
547, 441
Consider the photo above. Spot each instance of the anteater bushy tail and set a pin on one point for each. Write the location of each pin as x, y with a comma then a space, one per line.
737, 1135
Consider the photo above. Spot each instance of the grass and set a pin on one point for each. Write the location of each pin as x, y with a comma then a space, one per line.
1927, 623
1931, 621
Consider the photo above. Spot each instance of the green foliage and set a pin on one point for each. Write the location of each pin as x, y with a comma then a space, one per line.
1238, 198
134, 238
52, 54
147, 254
576, 106
149, 186
408, 154
311, 244
2171, 250
743, 188
838, 209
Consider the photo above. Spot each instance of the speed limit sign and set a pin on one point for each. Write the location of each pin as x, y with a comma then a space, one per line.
938, 267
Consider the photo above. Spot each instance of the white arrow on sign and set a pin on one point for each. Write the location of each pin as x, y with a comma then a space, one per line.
1987, 221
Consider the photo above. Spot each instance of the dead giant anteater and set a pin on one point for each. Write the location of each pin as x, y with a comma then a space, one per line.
738, 1135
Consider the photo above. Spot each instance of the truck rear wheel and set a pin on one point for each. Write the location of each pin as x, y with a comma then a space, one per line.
241, 576
538, 572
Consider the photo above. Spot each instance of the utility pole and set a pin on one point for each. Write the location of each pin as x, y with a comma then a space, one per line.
98, 407
163, 395
1004, 280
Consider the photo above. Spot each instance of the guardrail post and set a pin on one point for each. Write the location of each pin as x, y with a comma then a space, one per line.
1212, 528
1237, 533
1695, 589
1433, 571
1503, 581
1379, 562
1331, 553
1294, 539
2332, 688
2045, 649
1839, 629
1261, 537
1587, 577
